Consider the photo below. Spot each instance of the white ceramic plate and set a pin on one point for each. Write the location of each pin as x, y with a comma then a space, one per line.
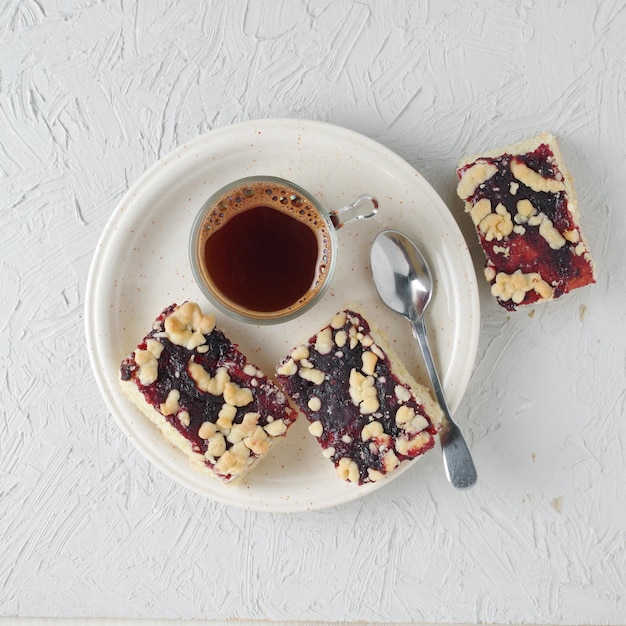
140, 266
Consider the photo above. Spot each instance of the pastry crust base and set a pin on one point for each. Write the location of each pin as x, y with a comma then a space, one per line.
540, 271
205, 397
367, 412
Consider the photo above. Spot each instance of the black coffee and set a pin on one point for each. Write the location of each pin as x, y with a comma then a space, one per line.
265, 248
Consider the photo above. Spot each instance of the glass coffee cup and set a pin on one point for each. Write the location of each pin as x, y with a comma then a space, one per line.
263, 250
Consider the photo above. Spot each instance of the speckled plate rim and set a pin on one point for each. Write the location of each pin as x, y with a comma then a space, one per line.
335, 163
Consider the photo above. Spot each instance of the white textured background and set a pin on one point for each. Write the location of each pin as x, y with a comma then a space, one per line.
93, 93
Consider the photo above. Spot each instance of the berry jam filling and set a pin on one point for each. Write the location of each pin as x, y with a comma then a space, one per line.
341, 419
564, 268
201, 407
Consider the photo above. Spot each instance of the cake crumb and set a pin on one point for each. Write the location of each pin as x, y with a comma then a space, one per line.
557, 504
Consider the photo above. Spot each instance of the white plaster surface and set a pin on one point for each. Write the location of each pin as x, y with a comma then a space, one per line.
92, 94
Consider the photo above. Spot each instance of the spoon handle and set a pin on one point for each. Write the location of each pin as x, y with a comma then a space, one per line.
457, 459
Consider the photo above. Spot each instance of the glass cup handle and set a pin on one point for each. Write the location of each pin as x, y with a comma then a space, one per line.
364, 207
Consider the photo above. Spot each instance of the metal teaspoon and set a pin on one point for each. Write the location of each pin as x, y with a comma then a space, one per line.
404, 284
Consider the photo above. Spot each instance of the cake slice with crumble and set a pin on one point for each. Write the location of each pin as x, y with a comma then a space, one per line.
366, 411
189, 379
522, 201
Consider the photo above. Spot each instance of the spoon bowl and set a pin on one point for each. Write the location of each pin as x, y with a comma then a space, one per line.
401, 274
404, 283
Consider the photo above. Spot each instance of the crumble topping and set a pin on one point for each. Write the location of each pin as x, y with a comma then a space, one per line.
474, 176
515, 286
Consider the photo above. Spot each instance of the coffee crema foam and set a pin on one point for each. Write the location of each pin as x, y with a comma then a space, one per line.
300, 261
